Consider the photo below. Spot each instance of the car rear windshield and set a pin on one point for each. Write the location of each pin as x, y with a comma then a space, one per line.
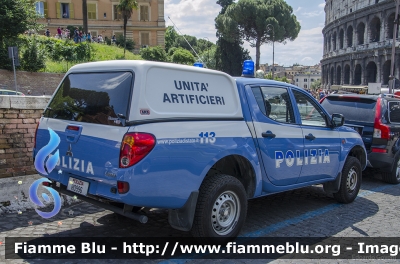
100, 98
352, 108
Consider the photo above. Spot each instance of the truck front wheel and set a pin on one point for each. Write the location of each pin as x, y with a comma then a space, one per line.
221, 208
350, 182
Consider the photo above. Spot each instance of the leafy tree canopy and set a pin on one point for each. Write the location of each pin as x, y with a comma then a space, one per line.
258, 22
170, 36
153, 54
16, 17
183, 56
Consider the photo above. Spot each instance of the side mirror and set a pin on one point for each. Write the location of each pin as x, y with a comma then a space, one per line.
337, 120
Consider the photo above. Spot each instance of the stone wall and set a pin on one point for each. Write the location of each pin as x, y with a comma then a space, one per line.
38, 82
19, 116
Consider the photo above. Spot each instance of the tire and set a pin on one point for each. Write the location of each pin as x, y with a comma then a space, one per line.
393, 177
221, 209
350, 182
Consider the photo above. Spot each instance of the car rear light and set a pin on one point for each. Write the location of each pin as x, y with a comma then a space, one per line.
380, 130
379, 150
34, 140
74, 128
123, 187
135, 146
46, 183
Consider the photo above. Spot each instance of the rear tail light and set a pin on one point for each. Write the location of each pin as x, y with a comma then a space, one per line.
380, 130
134, 147
123, 187
379, 150
46, 184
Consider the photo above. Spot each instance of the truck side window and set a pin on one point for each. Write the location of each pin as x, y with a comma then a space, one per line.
274, 103
311, 114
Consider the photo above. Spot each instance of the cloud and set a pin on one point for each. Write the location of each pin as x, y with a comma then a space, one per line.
307, 59
193, 17
313, 14
297, 9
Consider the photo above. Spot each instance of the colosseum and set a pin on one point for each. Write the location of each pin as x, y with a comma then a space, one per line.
358, 37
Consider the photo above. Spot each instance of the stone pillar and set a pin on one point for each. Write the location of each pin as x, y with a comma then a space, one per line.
161, 20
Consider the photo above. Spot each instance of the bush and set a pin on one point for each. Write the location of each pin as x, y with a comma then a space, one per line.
153, 54
33, 58
182, 56
130, 44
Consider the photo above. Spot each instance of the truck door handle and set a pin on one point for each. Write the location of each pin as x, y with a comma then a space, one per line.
268, 134
310, 136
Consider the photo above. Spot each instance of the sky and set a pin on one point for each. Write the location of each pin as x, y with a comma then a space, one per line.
196, 18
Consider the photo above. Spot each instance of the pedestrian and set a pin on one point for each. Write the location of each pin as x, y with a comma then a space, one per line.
59, 32
89, 37
76, 35
47, 33
113, 39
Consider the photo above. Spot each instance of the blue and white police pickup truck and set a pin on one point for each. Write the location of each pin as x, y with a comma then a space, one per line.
128, 135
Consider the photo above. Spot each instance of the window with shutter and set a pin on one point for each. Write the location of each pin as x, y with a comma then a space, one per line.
117, 13
145, 38
91, 9
144, 13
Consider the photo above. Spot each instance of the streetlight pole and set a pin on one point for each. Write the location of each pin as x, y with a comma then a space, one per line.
273, 49
395, 30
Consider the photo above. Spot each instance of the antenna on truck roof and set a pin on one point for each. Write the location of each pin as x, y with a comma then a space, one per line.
187, 41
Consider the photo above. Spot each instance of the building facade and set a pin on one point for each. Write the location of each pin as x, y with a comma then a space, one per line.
146, 27
304, 80
358, 37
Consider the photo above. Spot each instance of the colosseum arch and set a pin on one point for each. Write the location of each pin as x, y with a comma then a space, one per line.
390, 26
338, 75
386, 72
360, 33
346, 74
350, 36
357, 75
330, 42
341, 39
375, 30
371, 73
334, 41
332, 75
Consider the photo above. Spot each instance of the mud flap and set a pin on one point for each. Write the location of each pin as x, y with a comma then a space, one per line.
182, 218
333, 186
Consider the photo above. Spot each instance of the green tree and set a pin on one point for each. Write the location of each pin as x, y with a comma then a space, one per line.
170, 37
16, 17
316, 84
183, 56
126, 7
208, 57
153, 54
33, 59
229, 55
253, 20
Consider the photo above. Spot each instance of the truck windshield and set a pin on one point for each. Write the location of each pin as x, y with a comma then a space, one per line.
100, 98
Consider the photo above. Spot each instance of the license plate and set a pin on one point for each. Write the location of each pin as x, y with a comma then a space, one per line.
77, 186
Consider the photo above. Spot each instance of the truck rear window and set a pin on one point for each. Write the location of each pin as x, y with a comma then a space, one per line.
100, 98
352, 108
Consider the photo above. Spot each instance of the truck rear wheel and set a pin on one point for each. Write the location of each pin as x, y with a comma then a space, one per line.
221, 209
350, 182
393, 177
